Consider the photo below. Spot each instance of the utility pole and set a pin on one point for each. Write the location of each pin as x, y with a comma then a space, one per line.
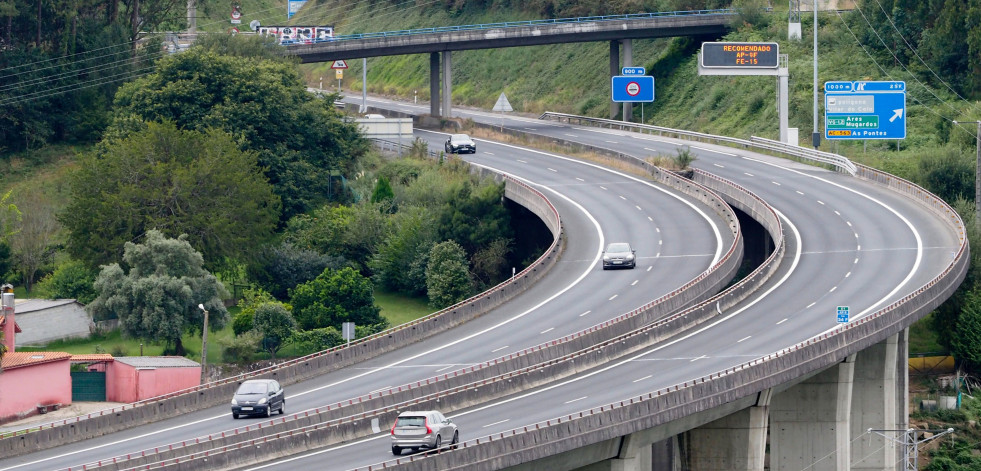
977, 172
204, 346
815, 135
911, 443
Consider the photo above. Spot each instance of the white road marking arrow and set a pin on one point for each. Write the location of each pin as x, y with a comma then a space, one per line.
896, 114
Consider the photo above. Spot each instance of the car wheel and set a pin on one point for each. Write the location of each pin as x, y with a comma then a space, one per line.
439, 442
396, 450
282, 408
268, 412
456, 438
234, 415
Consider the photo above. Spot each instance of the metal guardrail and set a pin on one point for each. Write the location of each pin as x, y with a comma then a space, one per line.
759, 143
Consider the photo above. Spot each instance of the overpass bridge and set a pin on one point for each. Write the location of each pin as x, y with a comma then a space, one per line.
439, 43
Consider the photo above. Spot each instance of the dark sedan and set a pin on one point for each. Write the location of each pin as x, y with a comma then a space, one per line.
258, 397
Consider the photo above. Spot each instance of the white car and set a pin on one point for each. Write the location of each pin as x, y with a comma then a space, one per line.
423, 429
460, 143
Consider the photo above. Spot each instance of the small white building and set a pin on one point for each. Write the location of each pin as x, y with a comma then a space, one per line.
46, 320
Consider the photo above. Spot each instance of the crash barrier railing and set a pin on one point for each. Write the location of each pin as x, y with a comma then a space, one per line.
758, 144
366, 415
56, 433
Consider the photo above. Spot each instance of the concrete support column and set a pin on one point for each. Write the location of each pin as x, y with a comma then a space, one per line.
737, 441
874, 406
635, 455
614, 71
809, 423
665, 455
447, 85
628, 61
434, 83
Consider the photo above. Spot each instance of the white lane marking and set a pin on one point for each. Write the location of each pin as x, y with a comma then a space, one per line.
775, 183
603, 187
836, 212
658, 229
833, 288
583, 314
613, 297
781, 322
382, 389
650, 219
522, 161
641, 379
547, 330
498, 349
748, 174
445, 368
552, 169
849, 223
698, 358
634, 283
809, 305
720, 166
611, 142
621, 197
489, 153
638, 208
577, 399
744, 338
570, 135
712, 150
821, 202
800, 192
848, 274
495, 423
649, 149
649, 268
580, 179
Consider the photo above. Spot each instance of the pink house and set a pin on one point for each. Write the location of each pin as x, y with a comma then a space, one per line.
30, 381
131, 379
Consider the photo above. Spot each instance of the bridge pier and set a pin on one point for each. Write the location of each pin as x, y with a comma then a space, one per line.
447, 85
635, 455
736, 441
614, 71
628, 61
875, 398
809, 423
434, 84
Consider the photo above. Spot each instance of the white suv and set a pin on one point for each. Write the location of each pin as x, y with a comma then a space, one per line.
422, 429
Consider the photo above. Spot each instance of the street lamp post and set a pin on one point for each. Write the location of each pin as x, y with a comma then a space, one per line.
977, 172
204, 346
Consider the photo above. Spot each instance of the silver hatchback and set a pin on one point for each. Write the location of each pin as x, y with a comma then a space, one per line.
422, 429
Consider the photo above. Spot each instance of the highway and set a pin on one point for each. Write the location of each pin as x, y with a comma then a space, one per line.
850, 244
675, 241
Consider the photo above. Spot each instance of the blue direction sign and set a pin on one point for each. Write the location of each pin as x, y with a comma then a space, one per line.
843, 314
865, 110
633, 71
633, 88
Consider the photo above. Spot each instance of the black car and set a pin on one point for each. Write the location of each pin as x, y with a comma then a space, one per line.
258, 397
460, 143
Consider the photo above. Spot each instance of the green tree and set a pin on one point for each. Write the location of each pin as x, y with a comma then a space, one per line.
252, 298
400, 262
475, 216
447, 278
966, 338
335, 297
179, 182
275, 323
383, 191
69, 280
299, 137
287, 265
156, 297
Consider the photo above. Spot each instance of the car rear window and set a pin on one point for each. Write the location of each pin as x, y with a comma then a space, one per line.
411, 421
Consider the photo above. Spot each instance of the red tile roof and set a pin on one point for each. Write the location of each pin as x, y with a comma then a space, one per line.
19, 359
91, 357
3, 320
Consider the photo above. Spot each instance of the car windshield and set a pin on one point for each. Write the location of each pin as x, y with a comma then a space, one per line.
410, 422
618, 248
252, 388
459, 137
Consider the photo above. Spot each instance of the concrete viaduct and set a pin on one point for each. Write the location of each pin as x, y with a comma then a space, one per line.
441, 42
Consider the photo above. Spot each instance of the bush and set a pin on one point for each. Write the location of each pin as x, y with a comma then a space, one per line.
70, 280
447, 277
243, 321
241, 348
314, 340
